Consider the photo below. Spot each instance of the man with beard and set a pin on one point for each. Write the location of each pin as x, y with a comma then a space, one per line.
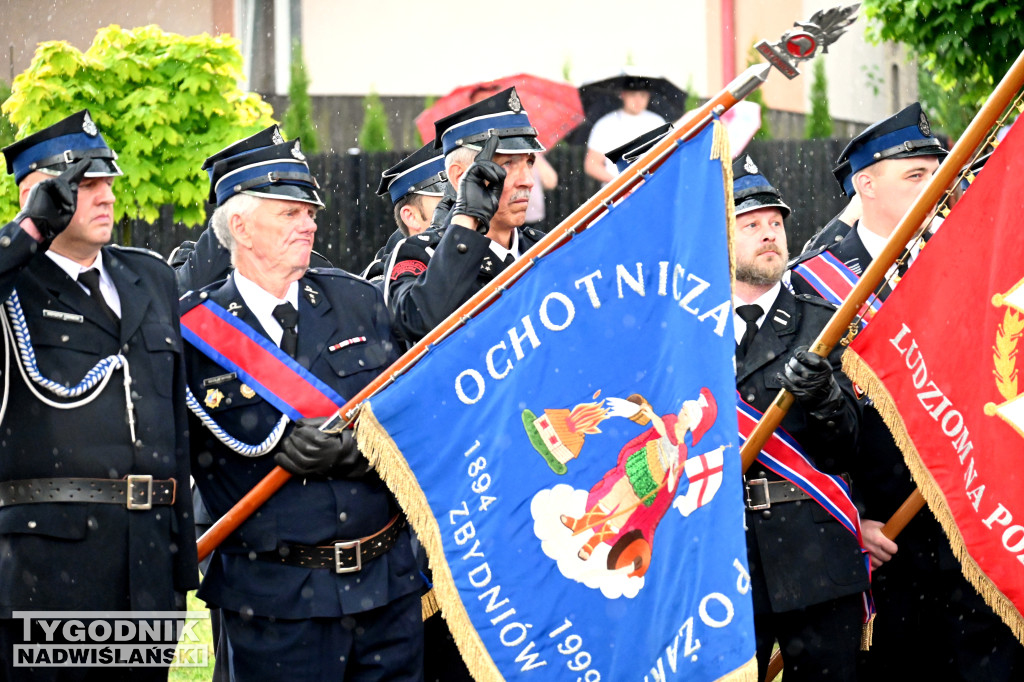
931, 621
806, 565
431, 274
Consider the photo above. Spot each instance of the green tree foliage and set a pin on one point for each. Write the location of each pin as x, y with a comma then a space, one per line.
965, 45
6, 127
298, 120
819, 122
943, 108
164, 102
374, 135
765, 131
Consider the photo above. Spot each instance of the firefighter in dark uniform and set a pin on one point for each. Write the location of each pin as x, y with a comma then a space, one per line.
205, 261
321, 582
95, 511
808, 571
416, 185
931, 622
431, 274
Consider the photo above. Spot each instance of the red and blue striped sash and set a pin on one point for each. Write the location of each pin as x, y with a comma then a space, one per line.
833, 281
272, 373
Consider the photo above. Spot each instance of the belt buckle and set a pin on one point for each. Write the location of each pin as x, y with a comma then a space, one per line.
763, 482
339, 547
140, 479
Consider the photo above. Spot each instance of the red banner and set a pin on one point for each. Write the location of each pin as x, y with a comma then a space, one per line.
944, 362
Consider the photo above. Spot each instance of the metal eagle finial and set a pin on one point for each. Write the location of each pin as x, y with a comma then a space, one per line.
821, 30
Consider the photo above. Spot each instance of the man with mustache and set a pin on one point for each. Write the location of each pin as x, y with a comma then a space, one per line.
95, 511
807, 571
931, 621
431, 274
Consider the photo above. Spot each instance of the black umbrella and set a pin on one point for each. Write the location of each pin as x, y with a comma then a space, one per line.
602, 97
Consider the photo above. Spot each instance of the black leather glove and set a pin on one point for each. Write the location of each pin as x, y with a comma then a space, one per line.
308, 451
444, 206
51, 203
480, 188
181, 253
810, 379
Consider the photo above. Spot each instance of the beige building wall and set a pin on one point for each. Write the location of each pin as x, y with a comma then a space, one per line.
404, 47
25, 23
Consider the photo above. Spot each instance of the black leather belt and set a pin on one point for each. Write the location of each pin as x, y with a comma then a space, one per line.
346, 556
133, 492
762, 493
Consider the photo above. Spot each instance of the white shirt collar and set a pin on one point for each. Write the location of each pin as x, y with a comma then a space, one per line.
262, 303
74, 269
501, 251
874, 243
765, 300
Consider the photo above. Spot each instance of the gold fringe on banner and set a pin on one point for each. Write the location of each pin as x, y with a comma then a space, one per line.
382, 452
861, 374
720, 151
429, 605
867, 633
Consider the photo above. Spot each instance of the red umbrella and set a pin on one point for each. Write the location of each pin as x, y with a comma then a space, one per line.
554, 107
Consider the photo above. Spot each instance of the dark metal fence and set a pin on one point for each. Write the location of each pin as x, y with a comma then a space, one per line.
356, 222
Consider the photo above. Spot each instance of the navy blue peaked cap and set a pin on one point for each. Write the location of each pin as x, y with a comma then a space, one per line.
262, 165
502, 113
751, 190
52, 149
625, 154
901, 136
422, 172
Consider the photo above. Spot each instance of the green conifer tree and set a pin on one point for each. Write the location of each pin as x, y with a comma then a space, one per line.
298, 119
374, 135
819, 122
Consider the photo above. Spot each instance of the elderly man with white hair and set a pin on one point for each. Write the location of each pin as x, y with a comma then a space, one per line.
321, 582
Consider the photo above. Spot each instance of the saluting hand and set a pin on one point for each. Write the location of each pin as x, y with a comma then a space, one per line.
51, 204
480, 187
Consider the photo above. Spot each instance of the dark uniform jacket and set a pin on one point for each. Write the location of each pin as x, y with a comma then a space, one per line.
333, 307
799, 554
80, 556
431, 274
881, 478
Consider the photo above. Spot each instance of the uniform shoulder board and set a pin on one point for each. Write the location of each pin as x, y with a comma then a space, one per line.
138, 249
190, 299
330, 272
808, 255
816, 300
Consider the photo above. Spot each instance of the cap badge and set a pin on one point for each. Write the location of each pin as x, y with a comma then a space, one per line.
923, 126
297, 153
513, 102
247, 392
276, 137
750, 166
89, 127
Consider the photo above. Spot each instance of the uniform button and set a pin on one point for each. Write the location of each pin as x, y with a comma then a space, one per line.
761, 474
830, 424
751, 397
65, 338
169, 341
31, 524
124, 349
5, 241
462, 248
203, 295
766, 514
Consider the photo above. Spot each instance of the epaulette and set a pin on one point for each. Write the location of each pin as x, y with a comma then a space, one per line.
533, 233
138, 249
190, 299
808, 255
815, 300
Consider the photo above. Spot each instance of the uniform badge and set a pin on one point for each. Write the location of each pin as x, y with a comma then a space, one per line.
311, 294
276, 136
234, 307
297, 153
88, 127
347, 342
486, 265
750, 166
247, 392
513, 102
924, 126
213, 398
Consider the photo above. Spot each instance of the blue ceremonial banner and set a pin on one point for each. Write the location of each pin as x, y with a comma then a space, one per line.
570, 457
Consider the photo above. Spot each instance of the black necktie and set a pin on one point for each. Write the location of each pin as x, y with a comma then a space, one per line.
91, 279
288, 317
749, 314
